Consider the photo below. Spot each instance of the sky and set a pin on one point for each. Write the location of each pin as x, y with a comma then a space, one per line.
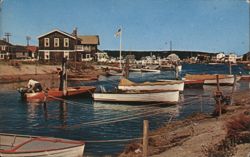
192, 25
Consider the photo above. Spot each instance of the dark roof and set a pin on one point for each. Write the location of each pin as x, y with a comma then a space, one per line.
57, 30
89, 39
20, 48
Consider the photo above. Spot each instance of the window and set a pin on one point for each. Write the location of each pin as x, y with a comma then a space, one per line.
56, 42
66, 54
46, 42
3, 47
88, 55
46, 55
66, 42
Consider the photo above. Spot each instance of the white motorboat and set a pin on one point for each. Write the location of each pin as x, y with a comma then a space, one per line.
167, 96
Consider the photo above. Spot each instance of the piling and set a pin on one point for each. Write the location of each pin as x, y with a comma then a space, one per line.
230, 68
233, 89
218, 94
145, 138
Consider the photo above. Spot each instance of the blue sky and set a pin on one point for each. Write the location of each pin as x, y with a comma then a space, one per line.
194, 25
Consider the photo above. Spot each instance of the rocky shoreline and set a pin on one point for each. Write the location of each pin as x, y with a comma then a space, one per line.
202, 134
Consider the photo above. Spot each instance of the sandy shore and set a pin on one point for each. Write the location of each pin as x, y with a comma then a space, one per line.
24, 72
198, 136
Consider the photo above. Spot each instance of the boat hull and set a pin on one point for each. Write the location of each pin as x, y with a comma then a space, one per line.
26, 146
54, 92
150, 70
210, 79
162, 96
162, 85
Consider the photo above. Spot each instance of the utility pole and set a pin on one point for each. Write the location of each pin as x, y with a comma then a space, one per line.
28, 38
7, 34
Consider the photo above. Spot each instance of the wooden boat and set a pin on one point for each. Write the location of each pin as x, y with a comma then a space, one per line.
126, 84
55, 92
166, 96
79, 77
150, 70
12, 145
113, 73
134, 70
210, 79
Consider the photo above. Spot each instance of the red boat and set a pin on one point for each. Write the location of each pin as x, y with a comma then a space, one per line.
54, 93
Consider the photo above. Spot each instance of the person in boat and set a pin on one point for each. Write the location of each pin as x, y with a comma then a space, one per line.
34, 86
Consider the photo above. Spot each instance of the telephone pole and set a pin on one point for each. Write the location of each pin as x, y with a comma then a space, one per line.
7, 34
28, 38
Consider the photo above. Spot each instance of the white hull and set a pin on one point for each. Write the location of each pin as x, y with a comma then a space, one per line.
222, 81
135, 70
150, 70
30, 146
162, 96
169, 85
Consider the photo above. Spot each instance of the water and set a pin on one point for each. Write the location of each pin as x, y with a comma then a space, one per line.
80, 118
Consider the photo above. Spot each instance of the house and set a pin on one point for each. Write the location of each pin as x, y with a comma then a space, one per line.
32, 51
87, 46
6, 50
231, 58
102, 56
57, 44
173, 57
20, 52
220, 57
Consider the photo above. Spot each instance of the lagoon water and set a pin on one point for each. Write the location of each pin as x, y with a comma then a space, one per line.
97, 123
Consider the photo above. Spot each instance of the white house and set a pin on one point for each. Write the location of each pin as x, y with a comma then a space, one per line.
173, 57
220, 56
232, 58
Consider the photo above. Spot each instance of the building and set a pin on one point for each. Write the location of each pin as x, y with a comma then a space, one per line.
32, 51
231, 58
57, 44
6, 50
220, 57
87, 47
20, 52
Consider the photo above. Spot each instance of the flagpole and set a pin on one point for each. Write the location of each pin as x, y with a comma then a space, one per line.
121, 48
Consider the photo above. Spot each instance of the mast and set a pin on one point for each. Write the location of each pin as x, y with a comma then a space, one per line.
120, 47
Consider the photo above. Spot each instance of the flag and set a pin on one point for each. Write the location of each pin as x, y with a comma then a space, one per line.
118, 33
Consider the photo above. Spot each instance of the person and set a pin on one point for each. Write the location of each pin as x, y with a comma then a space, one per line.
34, 86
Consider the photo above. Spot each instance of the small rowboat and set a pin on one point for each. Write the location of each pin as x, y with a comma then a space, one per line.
210, 79
50, 94
167, 96
12, 145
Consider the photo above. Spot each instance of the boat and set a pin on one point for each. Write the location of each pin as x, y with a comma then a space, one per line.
14, 145
166, 96
113, 73
126, 84
150, 70
134, 70
210, 79
53, 93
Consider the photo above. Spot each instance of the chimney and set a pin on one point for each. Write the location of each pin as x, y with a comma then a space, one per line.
75, 32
